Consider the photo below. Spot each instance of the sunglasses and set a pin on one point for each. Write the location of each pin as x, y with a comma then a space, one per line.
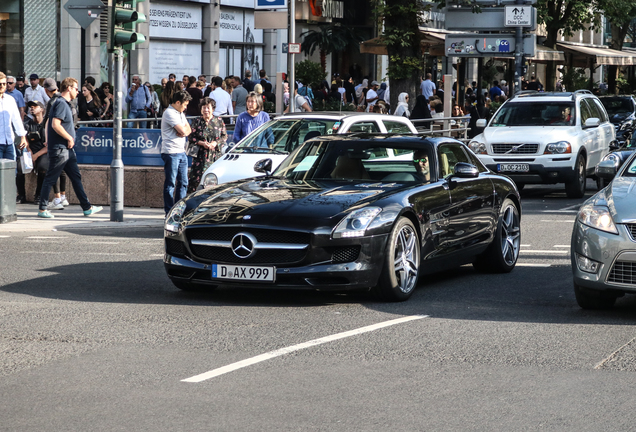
3, 84
424, 159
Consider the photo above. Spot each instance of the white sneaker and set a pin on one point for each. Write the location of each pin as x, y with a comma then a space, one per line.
56, 205
64, 201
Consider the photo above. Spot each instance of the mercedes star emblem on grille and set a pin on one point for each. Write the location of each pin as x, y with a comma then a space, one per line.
243, 245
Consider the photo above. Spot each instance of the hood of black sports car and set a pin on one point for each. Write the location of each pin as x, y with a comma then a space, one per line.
283, 202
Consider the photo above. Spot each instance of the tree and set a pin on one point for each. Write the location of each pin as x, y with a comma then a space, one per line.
566, 16
401, 34
330, 38
620, 14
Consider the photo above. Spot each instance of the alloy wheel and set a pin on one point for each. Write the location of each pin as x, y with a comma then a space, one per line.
406, 260
510, 236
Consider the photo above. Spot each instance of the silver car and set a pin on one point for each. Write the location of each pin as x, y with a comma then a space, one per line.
604, 240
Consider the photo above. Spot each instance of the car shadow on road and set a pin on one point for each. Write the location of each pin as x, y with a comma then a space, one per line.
143, 232
528, 294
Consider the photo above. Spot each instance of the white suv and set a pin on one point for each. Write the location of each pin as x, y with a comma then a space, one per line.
546, 138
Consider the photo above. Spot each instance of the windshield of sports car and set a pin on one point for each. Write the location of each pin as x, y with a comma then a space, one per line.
358, 160
618, 105
535, 114
284, 135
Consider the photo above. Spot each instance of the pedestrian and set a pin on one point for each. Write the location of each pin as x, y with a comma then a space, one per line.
196, 94
239, 96
166, 96
350, 93
222, 98
402, 108
60, 142
495, 90
503, 85
9, 121
381, 92
108, 103
34, 126
20, 84
204, 79
92, 109
155, 105
248, 84
59, 187
268, 94
207, 139
428, 86
334, 95
13, 92
533, 84
361, 91
372, 96
477, 112
164, 81
420, 110
35, 92
301, 102
253, 117
139, 99
172, 77
174, 131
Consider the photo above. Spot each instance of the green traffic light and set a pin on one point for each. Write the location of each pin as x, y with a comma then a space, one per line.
125, 37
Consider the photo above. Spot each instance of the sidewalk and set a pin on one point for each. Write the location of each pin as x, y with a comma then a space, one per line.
73, 217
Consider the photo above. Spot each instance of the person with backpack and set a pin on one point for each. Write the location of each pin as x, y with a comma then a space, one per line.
302, 102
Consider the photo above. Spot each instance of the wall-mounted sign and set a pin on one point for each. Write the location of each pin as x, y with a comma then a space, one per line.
139, 146
488, 45
175, 21
294, 48
270, 4
519, 16
180, 58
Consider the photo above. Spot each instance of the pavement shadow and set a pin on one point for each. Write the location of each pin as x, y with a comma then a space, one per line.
141, 232
528, 294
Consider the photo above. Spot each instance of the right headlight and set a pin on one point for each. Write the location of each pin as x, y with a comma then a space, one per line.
597, 217
210, 179
478, 147
174, 217
612, 157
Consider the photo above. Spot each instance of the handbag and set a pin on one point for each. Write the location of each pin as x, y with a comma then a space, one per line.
192, 149
26, 162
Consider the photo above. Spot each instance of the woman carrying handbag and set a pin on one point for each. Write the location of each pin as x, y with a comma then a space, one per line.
205, 143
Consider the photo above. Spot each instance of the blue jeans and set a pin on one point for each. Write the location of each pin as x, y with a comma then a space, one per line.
176, 170
63, 159
137, 114
7, 151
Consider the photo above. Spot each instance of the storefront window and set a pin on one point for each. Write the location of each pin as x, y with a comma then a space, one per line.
11, 42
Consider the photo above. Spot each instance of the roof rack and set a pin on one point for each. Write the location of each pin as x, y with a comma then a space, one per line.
523, 92
583, 91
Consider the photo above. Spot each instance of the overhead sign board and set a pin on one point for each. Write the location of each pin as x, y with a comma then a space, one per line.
270, 4
270, 20
487, 45
489, 19
519, 16
84, 11
294, 48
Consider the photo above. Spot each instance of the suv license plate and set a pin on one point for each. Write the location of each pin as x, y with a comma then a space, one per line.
243, 273
513, 167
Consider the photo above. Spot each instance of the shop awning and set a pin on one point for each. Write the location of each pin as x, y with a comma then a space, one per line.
544, 54
584, 55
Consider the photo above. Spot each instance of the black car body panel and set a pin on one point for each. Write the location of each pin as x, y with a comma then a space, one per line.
456, 219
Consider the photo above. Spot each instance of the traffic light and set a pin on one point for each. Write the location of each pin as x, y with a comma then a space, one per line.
122, 23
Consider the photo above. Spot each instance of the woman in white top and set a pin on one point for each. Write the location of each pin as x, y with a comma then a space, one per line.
402, 108
301, 102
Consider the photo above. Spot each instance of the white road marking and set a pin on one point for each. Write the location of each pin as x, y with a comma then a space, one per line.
156, 255
547, 252
612, 355
104, 242
525, 245
533, 265
103, 253
561, 246
282, 351
3, 236
45, 237
554, 220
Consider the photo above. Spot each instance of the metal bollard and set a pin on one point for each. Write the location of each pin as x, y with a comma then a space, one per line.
7, 191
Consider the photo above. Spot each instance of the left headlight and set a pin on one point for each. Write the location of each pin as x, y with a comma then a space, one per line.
558, 148
174, 217
597, 217
478, 147
358, 221
210, 180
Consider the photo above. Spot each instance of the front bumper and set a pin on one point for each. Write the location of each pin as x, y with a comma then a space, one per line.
615, 253
316, 271
548, 169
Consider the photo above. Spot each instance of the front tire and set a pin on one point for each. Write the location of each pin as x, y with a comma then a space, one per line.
594, 300
503, 253
576, 187
401, 263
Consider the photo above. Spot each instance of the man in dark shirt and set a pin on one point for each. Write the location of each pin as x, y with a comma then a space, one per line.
533, 84
196, 93
60, 142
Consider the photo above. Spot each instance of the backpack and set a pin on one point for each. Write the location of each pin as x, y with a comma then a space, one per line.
309, 95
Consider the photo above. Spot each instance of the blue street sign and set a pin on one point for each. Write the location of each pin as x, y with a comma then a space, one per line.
139, 146
270, 4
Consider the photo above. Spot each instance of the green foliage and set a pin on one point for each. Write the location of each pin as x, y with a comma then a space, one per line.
488, 74
566, 16
575, 79
329, 38
625, 86
309, 73
269, 107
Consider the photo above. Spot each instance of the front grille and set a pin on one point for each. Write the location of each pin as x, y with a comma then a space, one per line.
632, 230
345, 254
263, 256
263, 235
623, 272
175, 247
515, 148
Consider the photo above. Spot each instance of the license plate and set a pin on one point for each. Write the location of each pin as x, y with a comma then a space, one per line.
513, 167
243, 273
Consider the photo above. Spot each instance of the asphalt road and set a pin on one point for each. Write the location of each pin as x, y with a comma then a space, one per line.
95, 338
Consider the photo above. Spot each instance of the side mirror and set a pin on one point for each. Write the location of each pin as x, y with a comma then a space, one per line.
263, 166
606, 169
592, 122
465, 170
481, 123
